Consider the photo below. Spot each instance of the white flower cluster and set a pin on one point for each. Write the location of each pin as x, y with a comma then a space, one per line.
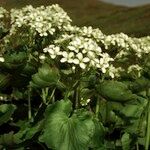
84, 102
44, 20
83, 47
119, 40
140, 46
114, 72
52, 50
79, 51
87, 47
89, 32
126, 45
3, 12
136, 69
3, 15
121, 43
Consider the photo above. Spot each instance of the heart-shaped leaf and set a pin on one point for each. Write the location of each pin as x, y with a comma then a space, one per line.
14, 62
45, 77
65, 132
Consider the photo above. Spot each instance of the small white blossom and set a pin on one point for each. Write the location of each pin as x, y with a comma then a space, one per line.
67, 57
135, 68
42, 57
114, 72
52, 50
2, 59
81, 60
84, 102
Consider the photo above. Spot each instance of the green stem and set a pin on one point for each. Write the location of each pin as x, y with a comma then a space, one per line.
147, 143
107, 112
97, 108
44, 95
76, 98
52, 96
76, 88
67, 93
29, 105
137, 146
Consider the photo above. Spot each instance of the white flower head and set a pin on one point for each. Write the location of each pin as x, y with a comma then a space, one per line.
84, 102
67, 57
2, 59
135, 68
42, 57
114, 72
81, 61
52, 50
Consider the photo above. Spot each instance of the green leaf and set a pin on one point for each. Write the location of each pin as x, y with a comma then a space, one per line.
65, 132
46, 77
14, 62
27, 131
134, 111
131, 111
48, 74
115, 91
140, 84
4, 80
98, 137
125, 140
29, 69
8, 139
6, 110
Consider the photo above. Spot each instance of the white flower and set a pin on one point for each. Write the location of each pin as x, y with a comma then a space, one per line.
80, 60
52, 50
42, 57
76, 42
114, 72
135, 69
67, 57
43, 33
91, 55
2, 59
3, 12
72, 48
84, 101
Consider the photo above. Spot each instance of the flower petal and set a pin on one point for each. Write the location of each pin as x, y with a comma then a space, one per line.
63, 60
76, 61
86, 59
82, 65
80, 56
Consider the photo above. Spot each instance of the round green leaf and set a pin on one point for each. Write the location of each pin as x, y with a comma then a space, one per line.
45, 77
115, 91
14, 62
62, 132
